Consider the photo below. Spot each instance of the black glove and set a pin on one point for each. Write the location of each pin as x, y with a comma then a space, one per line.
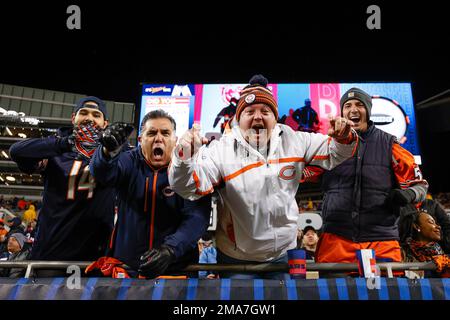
156, 261
402, 197
65, 140
114, 136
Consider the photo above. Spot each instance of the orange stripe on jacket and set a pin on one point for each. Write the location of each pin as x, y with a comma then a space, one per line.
260, 163
244, 169
283, 160
356, 145
321, 157
111, 239
197, 186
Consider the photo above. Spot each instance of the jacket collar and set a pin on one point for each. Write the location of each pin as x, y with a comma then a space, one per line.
370, 129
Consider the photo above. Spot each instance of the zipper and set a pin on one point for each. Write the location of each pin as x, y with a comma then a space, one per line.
145, 195
155, 177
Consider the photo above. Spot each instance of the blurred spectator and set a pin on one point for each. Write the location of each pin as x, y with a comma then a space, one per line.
21, 204
31, 231
15, 202
208, 254
444, 200
299, 238
15, 226
3, 231
17, 252
421, 236
3, 237
309, 242
310, 205
30, 214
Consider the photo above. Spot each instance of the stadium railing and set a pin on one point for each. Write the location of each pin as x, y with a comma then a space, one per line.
389, 267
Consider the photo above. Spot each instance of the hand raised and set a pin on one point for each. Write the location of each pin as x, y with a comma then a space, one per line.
190, 143
340, 128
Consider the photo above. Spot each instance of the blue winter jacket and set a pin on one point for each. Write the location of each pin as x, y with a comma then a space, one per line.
150, 213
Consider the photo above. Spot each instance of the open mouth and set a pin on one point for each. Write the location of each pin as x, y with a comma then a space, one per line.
355, 119
158, 153
258, 128
89, 123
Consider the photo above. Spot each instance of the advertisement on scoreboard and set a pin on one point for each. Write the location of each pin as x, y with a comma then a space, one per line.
177, 100
302, 106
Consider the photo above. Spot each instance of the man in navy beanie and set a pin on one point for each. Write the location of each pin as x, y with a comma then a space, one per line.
77, 213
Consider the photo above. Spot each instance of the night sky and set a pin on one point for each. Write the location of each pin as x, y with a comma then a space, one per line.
120, 46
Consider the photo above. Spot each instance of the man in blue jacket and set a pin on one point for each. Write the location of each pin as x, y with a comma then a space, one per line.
157, 230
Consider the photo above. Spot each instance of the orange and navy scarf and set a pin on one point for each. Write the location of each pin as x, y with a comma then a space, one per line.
424, 251
431, 251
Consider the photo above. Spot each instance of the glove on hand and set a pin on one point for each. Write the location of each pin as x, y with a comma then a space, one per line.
156, 261
402, 197
114, 136
85, 139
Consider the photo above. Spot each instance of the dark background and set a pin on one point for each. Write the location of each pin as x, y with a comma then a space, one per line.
121, 45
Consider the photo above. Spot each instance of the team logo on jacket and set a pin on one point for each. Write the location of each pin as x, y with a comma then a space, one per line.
287, 173
168, 192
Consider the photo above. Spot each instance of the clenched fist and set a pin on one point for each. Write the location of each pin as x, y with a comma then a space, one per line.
340, 128
190, 143
114, 136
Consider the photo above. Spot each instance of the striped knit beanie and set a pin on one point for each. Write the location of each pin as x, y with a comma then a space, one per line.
256, 92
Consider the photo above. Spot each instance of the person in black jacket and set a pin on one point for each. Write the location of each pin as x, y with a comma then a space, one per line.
363, 195
15, 225
17, 251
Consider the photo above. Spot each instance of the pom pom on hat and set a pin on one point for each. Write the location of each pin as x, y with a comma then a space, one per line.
257, 92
